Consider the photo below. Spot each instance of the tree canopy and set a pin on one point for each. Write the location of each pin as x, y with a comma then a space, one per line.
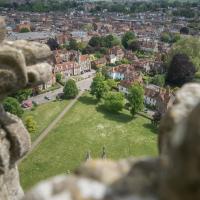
127, 39
22, 95
136, 98
188, 46
181, 70
11, 105
170, 37
99, 86
24, 30
159, 80
70, 90
53, 44
114, 101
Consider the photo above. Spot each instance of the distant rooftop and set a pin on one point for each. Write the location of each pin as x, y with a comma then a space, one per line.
30, 36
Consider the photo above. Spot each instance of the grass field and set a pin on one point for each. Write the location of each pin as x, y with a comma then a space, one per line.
44, 114
87, 127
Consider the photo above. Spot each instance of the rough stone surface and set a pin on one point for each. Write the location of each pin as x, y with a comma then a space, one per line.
21, 65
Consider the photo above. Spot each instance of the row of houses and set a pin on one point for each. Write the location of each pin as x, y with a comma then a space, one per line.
71, 63
154, 96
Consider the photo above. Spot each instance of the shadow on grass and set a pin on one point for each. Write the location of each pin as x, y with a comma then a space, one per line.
119, 117
88, 100
151, 127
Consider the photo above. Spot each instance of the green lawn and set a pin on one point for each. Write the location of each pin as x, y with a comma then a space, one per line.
44, 114
87, 127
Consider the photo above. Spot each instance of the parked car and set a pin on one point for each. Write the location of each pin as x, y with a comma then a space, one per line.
60, 96
27, 104
47, 97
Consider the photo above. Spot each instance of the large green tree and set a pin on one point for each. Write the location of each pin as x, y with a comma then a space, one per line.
11, 105
189, 46
23, 94
114, 101
181, 70
99, 86
73, 45
70, 90
136, 98
127, 37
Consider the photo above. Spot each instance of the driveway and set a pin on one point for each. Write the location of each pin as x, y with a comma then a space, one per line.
82, 85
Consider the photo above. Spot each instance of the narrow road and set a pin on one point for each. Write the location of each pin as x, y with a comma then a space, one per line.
52, 125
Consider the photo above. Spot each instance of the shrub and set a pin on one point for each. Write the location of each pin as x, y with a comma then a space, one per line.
70, 90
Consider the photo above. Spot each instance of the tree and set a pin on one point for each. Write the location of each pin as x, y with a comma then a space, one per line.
111, 41
114, 101
22, 95
189, 46
24, 30
184, 31
181, 70
30, 124
136, 98
11, 105
73, 45
58, 77
170, 37
99, 86
111, 83
70, 90
53, 44
165, 37
133, 45
95, 41
158, 80
126, 38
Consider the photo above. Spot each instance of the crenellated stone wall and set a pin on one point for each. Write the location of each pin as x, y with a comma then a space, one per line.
173, 175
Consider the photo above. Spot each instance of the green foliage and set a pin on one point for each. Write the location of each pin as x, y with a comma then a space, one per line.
136, 98
112, 84
70, 90
127, 38
11, 105
114, 102
24, 30
133, 45
98, 54
30, 124
188, 46
158, 80
180, 71
107, 42
58, 77
81, 46
95, 41
42, 6
170, 37
73, 45
99, 86
184, 12
22, 95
